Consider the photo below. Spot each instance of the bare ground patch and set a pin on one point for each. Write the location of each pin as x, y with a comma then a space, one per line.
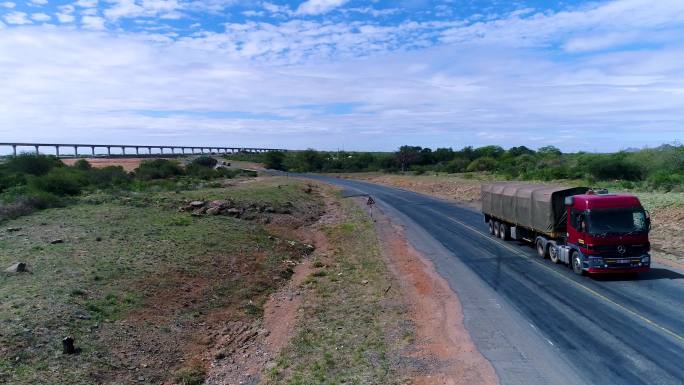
128, 164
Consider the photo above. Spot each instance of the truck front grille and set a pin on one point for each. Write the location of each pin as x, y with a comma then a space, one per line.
629, 251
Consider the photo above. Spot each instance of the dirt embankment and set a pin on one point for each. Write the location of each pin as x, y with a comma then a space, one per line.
667, 233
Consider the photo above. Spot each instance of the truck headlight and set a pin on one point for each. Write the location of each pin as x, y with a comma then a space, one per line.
645, 259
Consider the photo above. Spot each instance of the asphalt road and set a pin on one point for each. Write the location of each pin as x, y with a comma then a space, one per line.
537, 322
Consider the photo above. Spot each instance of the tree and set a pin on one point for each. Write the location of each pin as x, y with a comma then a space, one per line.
489, 151
407, 156
549, 152
520, 150
443, 155
482, 164
275, 160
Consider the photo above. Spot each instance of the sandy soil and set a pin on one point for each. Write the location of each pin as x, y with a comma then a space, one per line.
129, 164
443, 346
667, 234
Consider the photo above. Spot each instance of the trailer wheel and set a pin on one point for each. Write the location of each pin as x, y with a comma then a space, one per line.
496, 229
577, 264
503, 231
491, 227
541, 248
553, 253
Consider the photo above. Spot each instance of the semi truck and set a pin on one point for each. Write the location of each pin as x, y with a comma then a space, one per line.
592, 231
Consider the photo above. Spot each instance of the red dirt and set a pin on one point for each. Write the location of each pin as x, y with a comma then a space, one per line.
129, 164
441, 338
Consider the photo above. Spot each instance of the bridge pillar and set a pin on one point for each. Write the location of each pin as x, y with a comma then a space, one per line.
92, 150
57, 151
183, 150
75, 151
149, 150
137, 150
37, 151
173, 150
123, 150
14, 149
109, 151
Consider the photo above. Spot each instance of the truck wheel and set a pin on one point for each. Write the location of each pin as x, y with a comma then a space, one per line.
503, 231
541, 249
577, 264
496, 229
491, 227
553, 253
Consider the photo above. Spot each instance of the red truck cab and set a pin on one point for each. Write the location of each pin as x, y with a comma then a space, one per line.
607, 233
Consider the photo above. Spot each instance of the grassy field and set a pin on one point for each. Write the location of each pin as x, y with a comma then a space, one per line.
138, 283
342, 337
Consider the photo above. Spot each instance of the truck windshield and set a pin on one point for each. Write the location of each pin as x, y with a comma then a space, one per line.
617, 221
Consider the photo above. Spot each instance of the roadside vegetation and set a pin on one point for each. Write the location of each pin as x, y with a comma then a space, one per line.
33, 182
659, 168
146, 280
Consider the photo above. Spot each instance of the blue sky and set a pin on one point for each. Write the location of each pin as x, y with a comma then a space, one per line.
358, 75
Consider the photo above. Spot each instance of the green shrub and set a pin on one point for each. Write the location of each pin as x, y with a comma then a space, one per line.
206, 161
62, 181
614, 167
193, 375
482, 164
457, 165
158, 169
32, 164
83, 165
665, 180
108, 177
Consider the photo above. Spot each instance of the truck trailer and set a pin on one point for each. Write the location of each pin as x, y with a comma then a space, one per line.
591, 231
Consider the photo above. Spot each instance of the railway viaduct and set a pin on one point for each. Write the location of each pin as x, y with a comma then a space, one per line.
147, 149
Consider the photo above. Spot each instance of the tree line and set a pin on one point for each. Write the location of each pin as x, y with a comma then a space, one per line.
658, 168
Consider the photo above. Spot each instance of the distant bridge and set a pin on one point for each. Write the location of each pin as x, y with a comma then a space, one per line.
174, 150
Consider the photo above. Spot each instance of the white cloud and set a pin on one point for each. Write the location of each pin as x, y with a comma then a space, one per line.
93, 22
86, 3
65, 18
39, 2
428, 97
147, 8
40, 16
498, 79
609, 24
8, 4
17, 18
317, 7
276, 9
253, 13
66, 14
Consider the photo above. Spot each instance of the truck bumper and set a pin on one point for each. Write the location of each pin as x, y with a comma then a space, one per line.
640, 264
597, 270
